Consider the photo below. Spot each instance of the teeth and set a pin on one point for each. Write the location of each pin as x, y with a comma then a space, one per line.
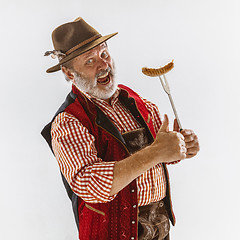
103, 76
105, 82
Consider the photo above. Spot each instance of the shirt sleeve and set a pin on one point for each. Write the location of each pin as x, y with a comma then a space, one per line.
74, 148
155, 114
156, 119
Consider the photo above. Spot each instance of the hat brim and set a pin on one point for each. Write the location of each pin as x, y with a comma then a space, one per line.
80, 51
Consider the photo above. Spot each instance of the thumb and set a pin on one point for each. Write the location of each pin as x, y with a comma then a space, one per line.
165, 124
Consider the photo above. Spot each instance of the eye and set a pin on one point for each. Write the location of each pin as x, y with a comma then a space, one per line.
104, 54
89, 61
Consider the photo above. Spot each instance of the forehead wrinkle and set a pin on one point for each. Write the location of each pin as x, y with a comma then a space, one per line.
91, 52
94, 50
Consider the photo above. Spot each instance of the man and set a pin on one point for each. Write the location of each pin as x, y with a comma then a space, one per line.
110, 144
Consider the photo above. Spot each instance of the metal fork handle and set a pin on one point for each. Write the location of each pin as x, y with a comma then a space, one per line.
175, 112
167, 90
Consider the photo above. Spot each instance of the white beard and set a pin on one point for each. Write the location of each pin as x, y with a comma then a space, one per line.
91, 87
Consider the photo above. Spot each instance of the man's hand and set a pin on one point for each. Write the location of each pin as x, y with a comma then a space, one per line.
190, 139
169, 146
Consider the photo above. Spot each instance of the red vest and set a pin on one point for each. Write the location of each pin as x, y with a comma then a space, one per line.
117, 219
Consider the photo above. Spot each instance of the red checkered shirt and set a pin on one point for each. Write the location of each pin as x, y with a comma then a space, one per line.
87, 174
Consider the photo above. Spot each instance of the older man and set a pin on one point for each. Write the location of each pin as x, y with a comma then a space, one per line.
110, 144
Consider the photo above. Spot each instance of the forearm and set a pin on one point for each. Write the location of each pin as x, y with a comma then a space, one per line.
167, 147
128, 169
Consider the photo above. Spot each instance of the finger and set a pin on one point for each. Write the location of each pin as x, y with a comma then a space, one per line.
186, 132
180, 136
176, 126
192, 150
165, 124
182, 143
183, 149
190, 155
183, 156
189, 138
190, 144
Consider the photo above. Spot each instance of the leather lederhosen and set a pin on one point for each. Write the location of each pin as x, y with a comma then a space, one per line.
153, 220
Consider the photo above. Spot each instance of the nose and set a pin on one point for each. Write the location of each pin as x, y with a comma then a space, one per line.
102, 63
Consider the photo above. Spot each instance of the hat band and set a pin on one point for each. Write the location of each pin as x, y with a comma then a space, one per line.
83, 43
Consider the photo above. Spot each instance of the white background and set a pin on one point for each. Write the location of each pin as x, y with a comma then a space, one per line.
202, 37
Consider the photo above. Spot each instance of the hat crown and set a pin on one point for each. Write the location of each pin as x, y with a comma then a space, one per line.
71, 34
73, 39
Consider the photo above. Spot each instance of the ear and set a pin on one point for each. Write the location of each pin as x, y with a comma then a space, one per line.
68, 73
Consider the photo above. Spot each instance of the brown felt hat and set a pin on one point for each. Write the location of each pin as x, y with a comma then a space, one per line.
73, 39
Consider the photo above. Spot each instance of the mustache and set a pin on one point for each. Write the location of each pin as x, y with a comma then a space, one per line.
103, 72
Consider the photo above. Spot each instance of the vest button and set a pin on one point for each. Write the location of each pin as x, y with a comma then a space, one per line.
134, 206
133, 222
132, 190
161, 203
132, 238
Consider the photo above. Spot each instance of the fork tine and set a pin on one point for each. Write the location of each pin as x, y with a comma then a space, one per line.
165, 84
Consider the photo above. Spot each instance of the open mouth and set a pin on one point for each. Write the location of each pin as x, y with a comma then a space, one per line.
104, 79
